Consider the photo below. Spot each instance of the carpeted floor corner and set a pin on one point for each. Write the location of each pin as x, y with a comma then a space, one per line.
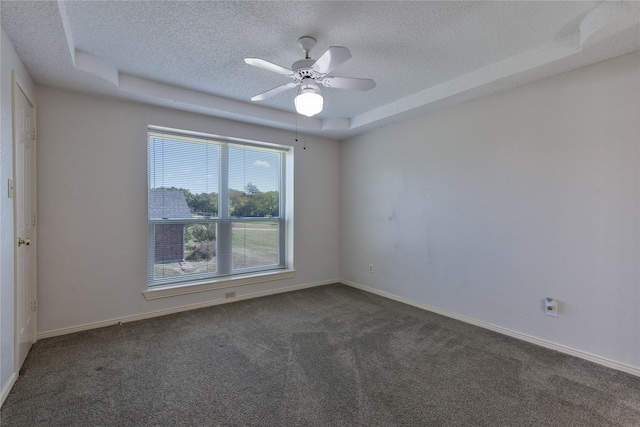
326, 356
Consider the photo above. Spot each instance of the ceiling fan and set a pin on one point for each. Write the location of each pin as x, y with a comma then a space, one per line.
308, 74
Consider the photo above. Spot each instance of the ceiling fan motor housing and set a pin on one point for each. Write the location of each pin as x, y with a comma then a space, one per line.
302, 70
302, 64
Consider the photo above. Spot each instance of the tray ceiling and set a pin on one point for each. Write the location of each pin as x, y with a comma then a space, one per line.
423, 55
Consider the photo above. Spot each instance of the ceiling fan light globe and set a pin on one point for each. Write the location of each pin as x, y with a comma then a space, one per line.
308, 103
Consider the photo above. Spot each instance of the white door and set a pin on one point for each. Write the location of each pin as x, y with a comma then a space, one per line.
25, 222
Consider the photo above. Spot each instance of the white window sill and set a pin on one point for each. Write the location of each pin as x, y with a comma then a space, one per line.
223, 282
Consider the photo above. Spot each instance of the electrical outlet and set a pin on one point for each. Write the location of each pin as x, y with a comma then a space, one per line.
551, 307
228, 295
370, 268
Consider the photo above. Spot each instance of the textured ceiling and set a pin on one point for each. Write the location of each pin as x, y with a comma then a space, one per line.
422, 55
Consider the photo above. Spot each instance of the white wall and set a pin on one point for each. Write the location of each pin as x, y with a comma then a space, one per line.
482, 209
486, 208
9, 61
92, 207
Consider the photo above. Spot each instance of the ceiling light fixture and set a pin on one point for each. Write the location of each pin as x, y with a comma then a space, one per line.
309, 101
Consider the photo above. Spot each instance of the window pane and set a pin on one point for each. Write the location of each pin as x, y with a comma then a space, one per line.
187, 166
254, 244
184, 250
254, 183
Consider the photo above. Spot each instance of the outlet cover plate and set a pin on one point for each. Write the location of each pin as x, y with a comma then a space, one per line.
551, 307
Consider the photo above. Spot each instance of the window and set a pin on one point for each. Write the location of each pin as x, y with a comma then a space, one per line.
216, 207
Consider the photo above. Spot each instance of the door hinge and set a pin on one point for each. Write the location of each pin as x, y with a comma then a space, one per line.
34, 305
32, 134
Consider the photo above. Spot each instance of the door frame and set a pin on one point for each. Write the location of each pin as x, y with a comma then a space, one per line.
17, 85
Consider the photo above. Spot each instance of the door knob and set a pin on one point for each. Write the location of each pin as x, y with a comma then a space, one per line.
22, 241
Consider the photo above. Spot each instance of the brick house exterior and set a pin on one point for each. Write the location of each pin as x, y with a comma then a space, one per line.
169, 238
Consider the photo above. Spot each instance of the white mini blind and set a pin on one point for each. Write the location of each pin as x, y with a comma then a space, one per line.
216, 207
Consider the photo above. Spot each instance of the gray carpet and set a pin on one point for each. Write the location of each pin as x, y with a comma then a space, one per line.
327, 356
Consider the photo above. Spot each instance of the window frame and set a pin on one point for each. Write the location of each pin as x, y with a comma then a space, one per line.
227, 275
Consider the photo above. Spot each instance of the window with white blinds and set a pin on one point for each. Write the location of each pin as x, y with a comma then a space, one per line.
216, 207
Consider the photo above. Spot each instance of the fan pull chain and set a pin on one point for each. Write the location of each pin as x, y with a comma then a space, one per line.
304, 138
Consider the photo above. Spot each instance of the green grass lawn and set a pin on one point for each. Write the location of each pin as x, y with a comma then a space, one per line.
254, 243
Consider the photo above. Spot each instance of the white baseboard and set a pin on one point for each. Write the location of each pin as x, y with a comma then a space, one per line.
158, 313
7, 388
541, 342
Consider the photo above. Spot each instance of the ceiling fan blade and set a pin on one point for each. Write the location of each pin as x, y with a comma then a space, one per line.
348, 83
330, 59
261, 63
274, 91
